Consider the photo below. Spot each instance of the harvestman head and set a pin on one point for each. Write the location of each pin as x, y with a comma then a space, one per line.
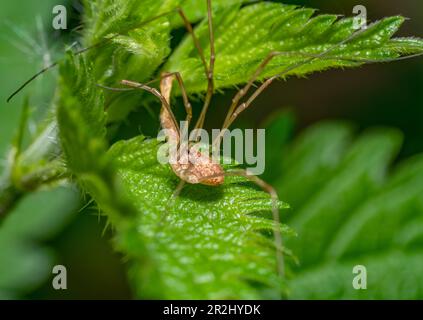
200, 168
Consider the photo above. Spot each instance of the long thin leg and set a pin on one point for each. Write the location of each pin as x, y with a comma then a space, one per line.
197, 45
275, 211
208, 69
155, 92
164, 96
241, 93
187, 104
166, 87
236, 109
95, 45
123, 32
171, 202
178, 189
210, 73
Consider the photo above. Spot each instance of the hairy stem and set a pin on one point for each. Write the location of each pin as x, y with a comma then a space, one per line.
9, 197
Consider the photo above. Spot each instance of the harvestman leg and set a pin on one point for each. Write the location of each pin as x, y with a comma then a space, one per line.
275, 211
83, 50
145, 86
187, 104
165, 103
154, 91
236, 109
123, 32
197, 45
209, 70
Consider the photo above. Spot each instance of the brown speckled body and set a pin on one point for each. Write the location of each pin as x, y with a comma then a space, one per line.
199, 167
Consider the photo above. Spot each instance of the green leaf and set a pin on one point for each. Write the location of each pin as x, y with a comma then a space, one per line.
134, 50
209, 245
81, 115
139, 42
81, 121
196, 10
244, 38
348, 210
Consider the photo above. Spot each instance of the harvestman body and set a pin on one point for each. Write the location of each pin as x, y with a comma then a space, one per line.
193, 166
198, 167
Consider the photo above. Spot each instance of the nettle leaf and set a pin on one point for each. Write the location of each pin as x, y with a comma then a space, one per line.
349, 210
81, 115
244, 37
134, 50
138, 43
106, 17
208, 244
196, 10
81, 121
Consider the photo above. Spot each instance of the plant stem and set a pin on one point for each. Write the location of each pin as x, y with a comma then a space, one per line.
9, 197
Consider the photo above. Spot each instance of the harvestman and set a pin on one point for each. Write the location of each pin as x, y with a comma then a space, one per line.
200, 168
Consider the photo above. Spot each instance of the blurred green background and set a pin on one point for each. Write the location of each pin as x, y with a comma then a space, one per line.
382, 94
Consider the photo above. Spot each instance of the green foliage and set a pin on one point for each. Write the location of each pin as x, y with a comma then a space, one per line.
137, 51
139, 42
81, 121
211, 230
80, 109
351, 210
216, 242
244, 38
